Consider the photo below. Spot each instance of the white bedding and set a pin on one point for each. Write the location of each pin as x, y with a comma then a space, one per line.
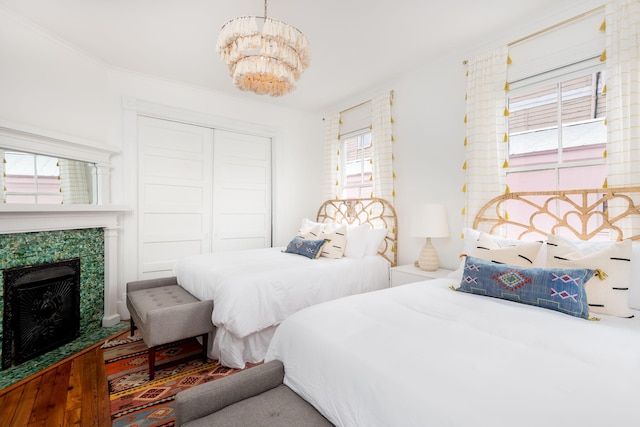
424, 355
254, 290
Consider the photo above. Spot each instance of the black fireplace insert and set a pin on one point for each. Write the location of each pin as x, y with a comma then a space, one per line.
41, 309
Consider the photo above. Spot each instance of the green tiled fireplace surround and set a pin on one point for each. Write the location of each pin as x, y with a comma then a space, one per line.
23, 249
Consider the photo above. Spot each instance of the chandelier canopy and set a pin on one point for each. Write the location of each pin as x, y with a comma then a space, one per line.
267, 61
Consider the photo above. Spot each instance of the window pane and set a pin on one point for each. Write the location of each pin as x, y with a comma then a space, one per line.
356, 170
582, 98
19, 164
533, 121
538, 180
20, 184
47, 166
582, 177
20, 199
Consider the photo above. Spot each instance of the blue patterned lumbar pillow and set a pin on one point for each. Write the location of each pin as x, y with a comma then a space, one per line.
309, 248
560, 289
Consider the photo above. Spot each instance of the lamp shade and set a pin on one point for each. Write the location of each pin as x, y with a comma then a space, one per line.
430, 220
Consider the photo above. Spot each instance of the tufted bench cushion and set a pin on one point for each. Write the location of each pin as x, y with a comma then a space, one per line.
254, 397
163, 312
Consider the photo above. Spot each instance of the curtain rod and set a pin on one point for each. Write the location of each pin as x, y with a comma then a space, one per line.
550, 28
392, 92
362, 103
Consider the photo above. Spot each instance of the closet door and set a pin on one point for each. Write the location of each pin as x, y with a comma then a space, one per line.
174, 194
241, 191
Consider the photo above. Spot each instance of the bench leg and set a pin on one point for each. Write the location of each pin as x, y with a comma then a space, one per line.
132, 326
152, 362
205, 346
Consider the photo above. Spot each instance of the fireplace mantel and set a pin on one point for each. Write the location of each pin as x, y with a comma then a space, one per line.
38, 218
32, 218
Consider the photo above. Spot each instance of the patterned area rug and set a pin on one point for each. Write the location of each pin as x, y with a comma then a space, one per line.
138, 402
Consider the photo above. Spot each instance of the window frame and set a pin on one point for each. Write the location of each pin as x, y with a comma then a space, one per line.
554, 77
364, 183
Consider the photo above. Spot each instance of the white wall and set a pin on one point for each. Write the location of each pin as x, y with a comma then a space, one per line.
429, 109
47, 85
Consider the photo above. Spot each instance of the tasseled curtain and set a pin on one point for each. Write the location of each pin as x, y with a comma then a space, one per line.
382, 147
3, 191
331, 179
623, 97
73, 182
486, 148
623, 92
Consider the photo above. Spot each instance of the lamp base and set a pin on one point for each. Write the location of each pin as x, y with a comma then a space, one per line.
428, 259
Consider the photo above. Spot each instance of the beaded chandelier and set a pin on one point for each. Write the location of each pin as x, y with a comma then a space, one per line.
265, 61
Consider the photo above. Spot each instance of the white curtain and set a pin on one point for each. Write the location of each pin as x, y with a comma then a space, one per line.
486, 145
331, 181
623, 92
73, 182
3, 195
382, 147
623, 103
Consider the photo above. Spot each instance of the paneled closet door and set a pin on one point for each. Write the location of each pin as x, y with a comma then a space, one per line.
175, 193
241, 191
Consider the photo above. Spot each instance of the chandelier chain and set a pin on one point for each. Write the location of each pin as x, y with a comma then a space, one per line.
265, 9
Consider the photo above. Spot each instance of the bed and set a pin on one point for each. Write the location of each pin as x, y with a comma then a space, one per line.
255, 290
436, 353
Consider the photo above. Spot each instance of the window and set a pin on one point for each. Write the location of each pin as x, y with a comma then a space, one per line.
557, 133
356, 165
31, 178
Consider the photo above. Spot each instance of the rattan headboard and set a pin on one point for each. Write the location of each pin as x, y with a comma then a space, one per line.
379, 213
603, 213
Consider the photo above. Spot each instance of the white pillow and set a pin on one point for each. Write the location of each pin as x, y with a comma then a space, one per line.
307, 225
336, 241
356, 241
310, 232
634, 291
375, 237
605, 296
522, 254
470, 244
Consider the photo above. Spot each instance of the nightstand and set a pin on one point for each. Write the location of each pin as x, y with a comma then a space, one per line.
403, 274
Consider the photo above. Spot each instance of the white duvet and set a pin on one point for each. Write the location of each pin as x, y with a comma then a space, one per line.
254, 290
424, 355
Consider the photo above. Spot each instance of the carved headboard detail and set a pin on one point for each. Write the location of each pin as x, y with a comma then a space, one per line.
591, 214
379, 213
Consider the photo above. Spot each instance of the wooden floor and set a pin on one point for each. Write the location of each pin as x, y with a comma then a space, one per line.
73, 392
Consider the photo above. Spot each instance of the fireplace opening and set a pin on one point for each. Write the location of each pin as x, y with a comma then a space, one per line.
41, 309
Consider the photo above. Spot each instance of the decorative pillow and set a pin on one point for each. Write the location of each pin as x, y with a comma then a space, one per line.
522, 254
310, 233
607, 296
307, 226
471, 237
559, 289
309, 248
375, 237
336, 242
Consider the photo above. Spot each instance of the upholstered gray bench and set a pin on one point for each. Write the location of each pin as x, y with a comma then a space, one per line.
254, 397
163, 312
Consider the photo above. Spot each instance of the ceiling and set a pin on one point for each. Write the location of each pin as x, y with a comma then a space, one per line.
355, 44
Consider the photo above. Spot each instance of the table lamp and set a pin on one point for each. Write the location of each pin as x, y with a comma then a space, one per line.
430, 221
